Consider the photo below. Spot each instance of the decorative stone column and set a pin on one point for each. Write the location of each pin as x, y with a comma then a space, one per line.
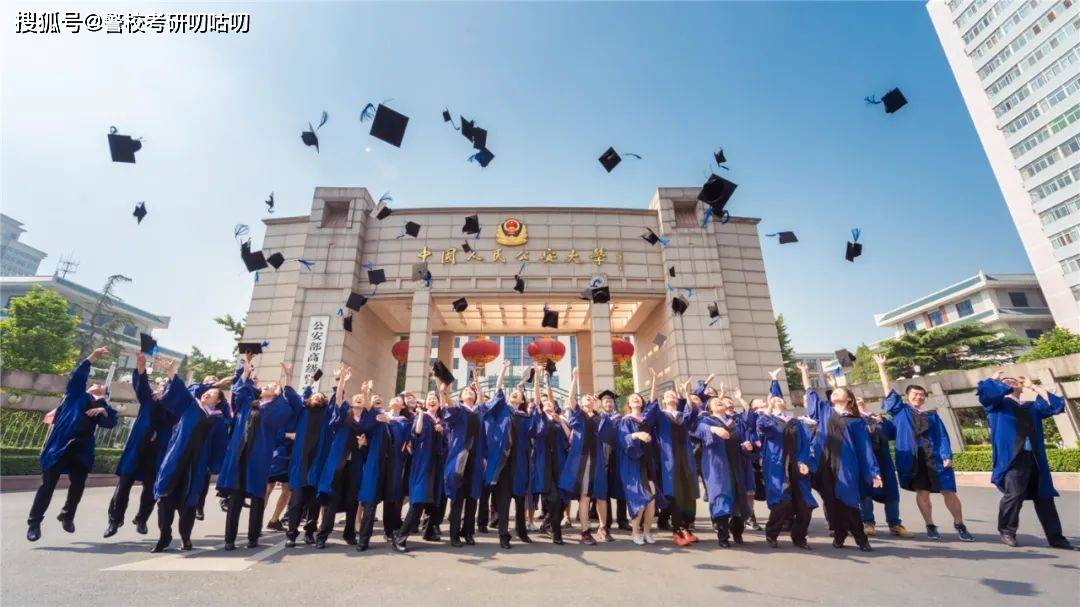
446, 348
418, 366
585, 364
603, 361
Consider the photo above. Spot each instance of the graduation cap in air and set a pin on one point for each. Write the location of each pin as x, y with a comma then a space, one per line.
376, 277
611, 159
254, 261
606, 394
460, 305
854, 247
147, 344
550, 367
446, 117
355, 301
270, 203
679, 305
483, 157
441, 372
716, 192
412, 228
714, 313
597, 294
309, 137
472, 225
122, 148
846, 359
719, 157
893, 100
346, 323
465, 246
519, 283
659, 340
530, 376
784, 237
382, 208
140, 212
476, 135
387, 125
671, 271
276, 260
551, 319
249, 347
652, 238
317, 375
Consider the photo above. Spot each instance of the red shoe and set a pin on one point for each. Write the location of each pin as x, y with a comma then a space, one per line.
691, 538
680, 539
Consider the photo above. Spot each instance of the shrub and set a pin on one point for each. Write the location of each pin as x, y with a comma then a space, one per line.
1064, 460
975, 436
23, 461
981, 460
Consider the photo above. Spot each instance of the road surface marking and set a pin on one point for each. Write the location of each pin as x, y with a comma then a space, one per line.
200, 560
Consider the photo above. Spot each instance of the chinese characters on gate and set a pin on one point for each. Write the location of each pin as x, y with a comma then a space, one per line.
316, 347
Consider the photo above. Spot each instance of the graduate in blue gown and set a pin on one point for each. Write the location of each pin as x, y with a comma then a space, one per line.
246, 466
584, 472
787, 461
550, 433
336, 478
721, 439
637, 470
186, 466
671, 422
923, 453
846, 459
219, 442
617, 514
396, 480
309, 450
425, 468
69, 448
882, 433
463, 470
1021, 471
143, 452
279, 467
521, 430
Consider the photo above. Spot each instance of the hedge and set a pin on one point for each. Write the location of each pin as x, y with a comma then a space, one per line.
25, 461
979, 460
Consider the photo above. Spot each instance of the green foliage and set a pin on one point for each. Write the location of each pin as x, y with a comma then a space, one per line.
975, 436
199, 365
236, 327
22, 427
624, 380
964, 346
1058, 341
981, 460
1063, 460
19, 462
787, 353
37, 334
865, 369
1051, 434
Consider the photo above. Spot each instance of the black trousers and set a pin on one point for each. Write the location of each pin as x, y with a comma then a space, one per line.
487, 512
843, 519
119, 503
431, 517
462, 515
167, 509
205, 491
76, 475
729, 526
553, 512
391, 518
500, 501
413, 520
302, 505
367, 523
1022, 482
794, 511
235, 509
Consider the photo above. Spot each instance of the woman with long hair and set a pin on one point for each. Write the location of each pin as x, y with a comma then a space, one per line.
335, 486
309, 451
671, 422
787, 461
579, 471
637, 470
550, 436
463, 469
721, 467
425, 469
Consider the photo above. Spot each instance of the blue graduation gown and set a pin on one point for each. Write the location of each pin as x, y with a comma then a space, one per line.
383, 460
936, 443
747, 427
614, 480
573, 480
632, 457
603, 456
854, 464
881, 434
548, 453
150, 432
521, 452
497, 416
770, 430
674, 467
721, 465
271, 417
425, 469
463, 428
71, 427
396, 486
341, 446
186, 465
312, 425
1006, 442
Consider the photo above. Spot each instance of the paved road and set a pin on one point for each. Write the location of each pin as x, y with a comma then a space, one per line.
84, 569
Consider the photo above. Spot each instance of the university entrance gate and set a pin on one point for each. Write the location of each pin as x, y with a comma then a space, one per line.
727, 327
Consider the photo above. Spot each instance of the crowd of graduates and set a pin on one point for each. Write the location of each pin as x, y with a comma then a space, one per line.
468, 457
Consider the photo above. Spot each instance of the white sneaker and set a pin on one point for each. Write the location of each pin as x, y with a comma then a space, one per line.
648, 538
637, 539
532, 527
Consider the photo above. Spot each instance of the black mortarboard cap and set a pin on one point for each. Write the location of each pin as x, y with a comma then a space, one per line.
317, 375
123, 147
550, 367
376, 277
389, 125
679, 305
140, 212
479, 138
854, 249
466, 247
249, 347
276, 260
382, 211
147, 344
446, 116
254, 261
650, 236
719, 156
530, 376
468, 128
845, 358
355, 301
551, 319
483, 157
346, 322
893, 101
519, 283
671, 271
610, 159
607, 393
599, 294
460, 305
714, 310
787, 237
441, 372
412, 229
472, 225
659, 340
716, 192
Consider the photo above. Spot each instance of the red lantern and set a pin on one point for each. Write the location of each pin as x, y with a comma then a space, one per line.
621, 350
400, 350
480, 351
547, 349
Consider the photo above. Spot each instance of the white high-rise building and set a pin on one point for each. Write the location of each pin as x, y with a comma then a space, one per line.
1017, 63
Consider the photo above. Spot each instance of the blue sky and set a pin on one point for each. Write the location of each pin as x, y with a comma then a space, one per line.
779, 85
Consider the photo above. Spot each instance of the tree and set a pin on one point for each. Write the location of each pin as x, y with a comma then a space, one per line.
865, 369
1058, 341
794, 380
37, 334
104, 322
236, 327
965, 346
198, 365
624, 380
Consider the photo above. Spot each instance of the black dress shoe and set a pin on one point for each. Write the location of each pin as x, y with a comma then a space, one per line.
724, 543
504, 543
398, 544
253, 544
161, 544
1008, 540
290, 539
803, 546
140, 527
320, 543
229, 546
33, 533
455, 542
362, 547
524, 538
275, 526
349, 539
199, 515
1061, 544
865, 547
772, 542
110, 529
66, 523
309, 538
470, 541
432, 537
558, 541
837, 543
185, 545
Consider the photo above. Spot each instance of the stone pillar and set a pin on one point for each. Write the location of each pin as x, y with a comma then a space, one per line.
948, 417
1067, 423
603, 362
446, 348
418, 366
585, 363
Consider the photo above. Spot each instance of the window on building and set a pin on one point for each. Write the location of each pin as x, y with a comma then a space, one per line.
1070, 265
934, 318
1018, 299
457, 342
686, 214
130, 330
1033, 333
512, 348
456, 363
1076, 292
909, 327
435, 342
573, 351
335, 214
964, 308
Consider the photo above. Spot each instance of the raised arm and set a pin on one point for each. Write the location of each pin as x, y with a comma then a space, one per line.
537, 380
344, 373
286, 374
571, 399
502, 375
883, 373
652, 385
1047, 404
992, 391
143, 393
81, 373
